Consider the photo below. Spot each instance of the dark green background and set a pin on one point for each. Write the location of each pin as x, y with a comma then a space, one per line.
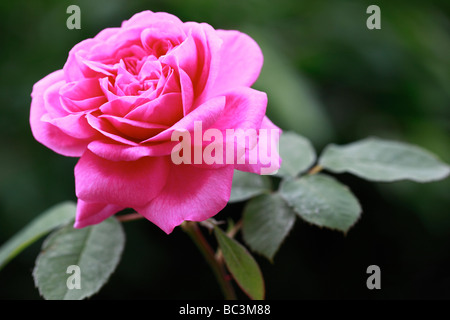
327, 77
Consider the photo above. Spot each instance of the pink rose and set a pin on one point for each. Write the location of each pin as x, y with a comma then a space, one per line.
121, 96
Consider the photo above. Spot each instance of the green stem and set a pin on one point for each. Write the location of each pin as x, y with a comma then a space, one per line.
315, 170
235, 229
192, 229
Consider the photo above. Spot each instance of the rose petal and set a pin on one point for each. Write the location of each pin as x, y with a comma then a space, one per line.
52, 102
90, 58
73, 66
197, 56
75, 125
192, 194
126, 82
121, 152
120, 106
88, 104
95, 69
137, 130
89, 213
268, 160
134, 51
169, 82
150, 69
108, 89
245, 108
161, 37
184, 59
108, 130
208, 113
80, 90
187, 91
46, 133
241, 60
123, 183
109, 51
82, 95
165, 110
243, 114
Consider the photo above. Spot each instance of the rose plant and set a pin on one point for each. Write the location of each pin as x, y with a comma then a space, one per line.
118, 102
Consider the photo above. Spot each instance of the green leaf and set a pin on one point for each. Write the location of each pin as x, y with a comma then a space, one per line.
323, 201
241, 265
383, 160
266, 222
96, 250
247, 185
297, 153
58, 215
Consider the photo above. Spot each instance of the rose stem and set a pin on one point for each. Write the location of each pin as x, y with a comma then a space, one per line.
192, 229
235, 229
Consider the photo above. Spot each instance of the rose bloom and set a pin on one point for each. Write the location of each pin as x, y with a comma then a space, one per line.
121, 95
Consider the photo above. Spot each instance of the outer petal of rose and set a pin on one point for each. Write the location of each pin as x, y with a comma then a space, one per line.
124, 183
52, 100
73, 66
82, 95
121, 152
46, 133
245, 108
265, 149
89, 213
241, 60
191, 193
74, 125
80, 90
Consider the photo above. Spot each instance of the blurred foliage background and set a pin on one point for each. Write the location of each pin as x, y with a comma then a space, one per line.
327, 77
